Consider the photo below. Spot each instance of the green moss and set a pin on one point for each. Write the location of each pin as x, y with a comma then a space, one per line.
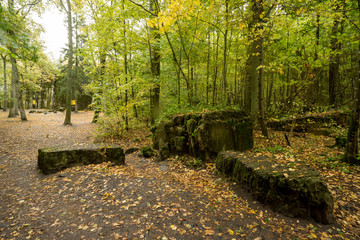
206, 134
190, 125
147, 151
51, 160
283, 190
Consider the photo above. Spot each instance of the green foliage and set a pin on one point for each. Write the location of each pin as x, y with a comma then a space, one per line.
276, 149
191, 162
334, 162
194, 163
273, 149
80, 80
194, 60
110, 127
205, 48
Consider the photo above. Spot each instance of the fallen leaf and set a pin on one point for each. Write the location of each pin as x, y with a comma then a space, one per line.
209, 232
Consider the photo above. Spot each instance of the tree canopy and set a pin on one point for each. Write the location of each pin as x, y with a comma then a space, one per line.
142, 59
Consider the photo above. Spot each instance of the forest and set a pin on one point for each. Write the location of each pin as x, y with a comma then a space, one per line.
132, 66
143, 60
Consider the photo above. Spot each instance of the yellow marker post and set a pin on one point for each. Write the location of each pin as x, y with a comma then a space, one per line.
34, 102
73, 102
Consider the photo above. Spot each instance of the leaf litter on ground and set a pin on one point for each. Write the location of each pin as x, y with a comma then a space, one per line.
146, 199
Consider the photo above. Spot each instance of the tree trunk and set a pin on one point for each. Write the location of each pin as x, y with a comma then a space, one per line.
16, 80
14, 100
126, 73
253, 61
352, 149
42, 95
224, 70
48, 98
216, 69
97, 98
132, 87
13, 112
261, 90
53, 96
69, 70
208, 70
178, 79
236, 81
155, 68
334, 62
269, 94
316, 57
194, 87
178, 62
76, 93
5, 84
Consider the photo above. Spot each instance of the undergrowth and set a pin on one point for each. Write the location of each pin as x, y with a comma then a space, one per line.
333, 162
271, 149
110, 127
191, 162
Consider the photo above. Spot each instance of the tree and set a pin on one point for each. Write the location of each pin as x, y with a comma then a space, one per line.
334, 63
68, 10
15, 79
154, 47
352, 150
20, 44
254, 57
255, 65
201, 47
5, 83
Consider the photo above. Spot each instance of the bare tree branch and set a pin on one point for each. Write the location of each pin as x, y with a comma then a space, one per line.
63, 6
30, 5
146, 10
217, 27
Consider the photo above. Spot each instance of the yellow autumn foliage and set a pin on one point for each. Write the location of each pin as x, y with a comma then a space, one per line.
175, 10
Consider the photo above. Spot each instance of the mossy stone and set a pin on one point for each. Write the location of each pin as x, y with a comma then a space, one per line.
54, 159
147, 152
204, 135
296, 193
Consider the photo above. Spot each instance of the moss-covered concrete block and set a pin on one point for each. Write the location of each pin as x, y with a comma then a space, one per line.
203, 135
54, 159
293, 191
147, 152
317, 123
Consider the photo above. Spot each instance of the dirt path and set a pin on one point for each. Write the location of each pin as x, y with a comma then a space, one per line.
142, 200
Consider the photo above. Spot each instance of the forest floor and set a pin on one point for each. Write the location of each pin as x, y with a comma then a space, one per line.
146, 199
